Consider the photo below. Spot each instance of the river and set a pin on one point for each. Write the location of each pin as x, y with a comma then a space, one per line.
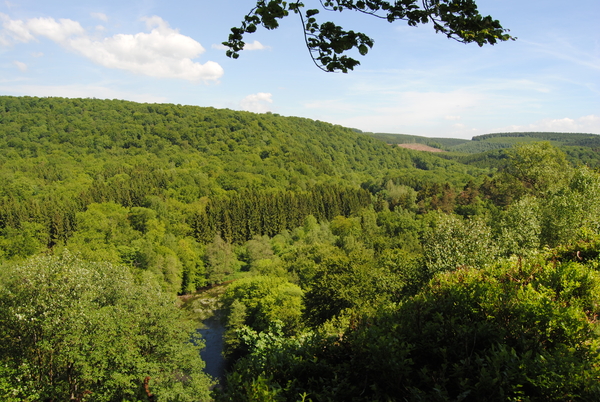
212, 354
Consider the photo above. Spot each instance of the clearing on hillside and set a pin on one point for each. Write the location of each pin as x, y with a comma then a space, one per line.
421, 147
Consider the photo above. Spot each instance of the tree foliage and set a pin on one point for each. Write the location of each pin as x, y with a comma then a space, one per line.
519, 330
328, 42
453, 243
71, 328
540, 166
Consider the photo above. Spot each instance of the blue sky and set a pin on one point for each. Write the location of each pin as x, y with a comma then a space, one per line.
413, 81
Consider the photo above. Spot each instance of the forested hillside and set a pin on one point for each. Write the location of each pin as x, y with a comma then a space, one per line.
484, 150
114, 180
354, 270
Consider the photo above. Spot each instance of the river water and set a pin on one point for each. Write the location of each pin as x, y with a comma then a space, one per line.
212, 354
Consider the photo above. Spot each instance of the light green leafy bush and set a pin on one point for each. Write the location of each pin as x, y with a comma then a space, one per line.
70, 328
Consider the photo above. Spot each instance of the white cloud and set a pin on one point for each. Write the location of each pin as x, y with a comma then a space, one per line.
20, 65
37, 54
60, 32
13, 31
258, 103
99, 16
452, 117
256, 45
584, 124
162, 53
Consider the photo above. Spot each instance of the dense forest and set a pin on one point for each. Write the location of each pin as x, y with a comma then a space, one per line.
354, 270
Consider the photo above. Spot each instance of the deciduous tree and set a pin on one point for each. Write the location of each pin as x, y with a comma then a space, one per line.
70, 328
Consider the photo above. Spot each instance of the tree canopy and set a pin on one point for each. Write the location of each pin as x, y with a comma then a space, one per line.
328, 42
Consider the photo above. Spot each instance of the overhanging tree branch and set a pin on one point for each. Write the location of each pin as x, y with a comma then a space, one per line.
327, 42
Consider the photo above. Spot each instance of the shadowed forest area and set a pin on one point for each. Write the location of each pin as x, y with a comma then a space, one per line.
356, 270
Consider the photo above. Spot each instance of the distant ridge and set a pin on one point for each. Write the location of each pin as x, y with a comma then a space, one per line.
547, 136
489, 149
487, 142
